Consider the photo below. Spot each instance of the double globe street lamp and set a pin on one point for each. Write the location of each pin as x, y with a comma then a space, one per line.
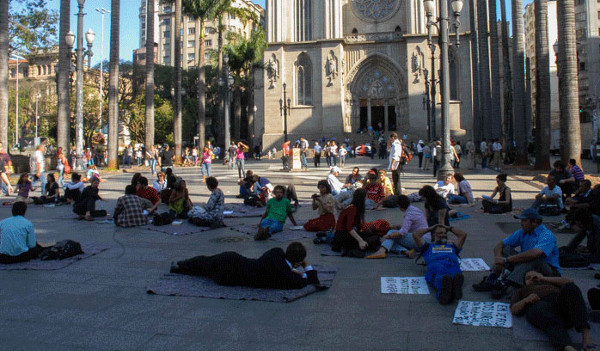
80, 55
442, 23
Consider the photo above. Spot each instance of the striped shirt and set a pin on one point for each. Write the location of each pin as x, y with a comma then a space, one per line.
577, 173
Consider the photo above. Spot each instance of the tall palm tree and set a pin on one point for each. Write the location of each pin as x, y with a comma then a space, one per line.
520, 124
477, 123
508, 113
496, 117
542, 82
177, 137
484, 65
149, 120
570, 131
4, 72
113, 86
201, 10
64, 63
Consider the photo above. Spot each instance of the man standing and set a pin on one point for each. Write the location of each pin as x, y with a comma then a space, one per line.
39, 167
231, 153
317, 154
538, 252
470, 149
497, 154
303, 151
165, 159
286, 155
395, 155
484, 153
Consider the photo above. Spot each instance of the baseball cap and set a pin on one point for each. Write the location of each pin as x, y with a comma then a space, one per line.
530, 213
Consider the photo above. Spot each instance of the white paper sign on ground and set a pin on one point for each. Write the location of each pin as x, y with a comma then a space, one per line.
473, 265
483, 314
404, 285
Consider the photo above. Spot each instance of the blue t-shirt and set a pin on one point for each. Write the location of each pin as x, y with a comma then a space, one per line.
440, 252
541, 238
16, 236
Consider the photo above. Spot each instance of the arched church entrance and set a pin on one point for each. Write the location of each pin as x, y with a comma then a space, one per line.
377, 94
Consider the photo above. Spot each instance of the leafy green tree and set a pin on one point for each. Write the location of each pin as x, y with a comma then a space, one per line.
32, 25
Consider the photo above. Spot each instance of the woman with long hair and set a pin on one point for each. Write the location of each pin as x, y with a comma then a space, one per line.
207, 155
61, 161
325, 204
347, 238
436, 207
179, 201
504, 202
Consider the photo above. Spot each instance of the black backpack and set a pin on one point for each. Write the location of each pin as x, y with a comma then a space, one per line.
162, 219
568, 258
61, 250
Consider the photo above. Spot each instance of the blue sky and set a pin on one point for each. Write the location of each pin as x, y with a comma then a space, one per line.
130, 23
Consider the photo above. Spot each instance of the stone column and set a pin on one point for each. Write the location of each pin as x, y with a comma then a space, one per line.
386, 126
368, 113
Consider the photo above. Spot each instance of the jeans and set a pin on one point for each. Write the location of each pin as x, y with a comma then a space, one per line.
206, 169
274, 226
4, 188
42, 181
436, 270
153, 166
332, 160
317, 160
61, 174
303, 160
457, 199
404, 243
240, 163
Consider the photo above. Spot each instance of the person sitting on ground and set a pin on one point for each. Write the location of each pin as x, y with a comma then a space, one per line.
52, 192
436, 207
325, 204
588, 225
399, 239
213, 210
24, 186
353, 177
538, 252
386, 182
563, 178
576, 171
146, 192
375, 192
504, 202
465, 193
165, 194
274, 269
92, 172
554, 305
444, 186
582, 196
130, 208
179, 201
245, 186
337, 187
549, 198
74, 188
263, 189
135, 179
347, 238
443, 268
160, 183
86, 206
17, 237
272, 221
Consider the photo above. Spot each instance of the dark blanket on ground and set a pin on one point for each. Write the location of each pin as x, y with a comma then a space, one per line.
286, 235
185, 228
37, 264
184, 285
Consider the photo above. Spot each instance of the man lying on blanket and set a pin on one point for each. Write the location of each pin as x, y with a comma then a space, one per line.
272, 221
274, 269
443, 269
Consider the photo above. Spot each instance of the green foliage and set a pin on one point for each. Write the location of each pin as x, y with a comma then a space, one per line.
32, 26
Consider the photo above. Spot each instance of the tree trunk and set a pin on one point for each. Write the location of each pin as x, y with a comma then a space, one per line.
484, 65
542, 87
237, 113
178, 103
520, 123
508, 113
63, 127
149, 125
496, 116
201, 89
113, 86
250, 88
4, 73
222, 89
477, 123
570, 129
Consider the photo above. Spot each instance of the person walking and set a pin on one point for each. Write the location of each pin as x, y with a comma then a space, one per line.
317, 154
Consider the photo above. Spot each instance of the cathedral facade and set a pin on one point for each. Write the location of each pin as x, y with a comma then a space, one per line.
350, 64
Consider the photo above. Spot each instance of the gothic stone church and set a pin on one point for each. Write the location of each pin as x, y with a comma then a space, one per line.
350, 64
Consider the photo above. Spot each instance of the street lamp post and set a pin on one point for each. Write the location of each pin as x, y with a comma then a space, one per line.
102, 11
442, 24
18, 57
284, 110
80, 54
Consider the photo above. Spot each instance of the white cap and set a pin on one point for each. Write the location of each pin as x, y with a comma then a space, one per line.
336, 169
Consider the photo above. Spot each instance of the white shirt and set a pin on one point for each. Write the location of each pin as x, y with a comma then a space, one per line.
556, 190
444, 189
396, 151
496, 147
336, 185
38, 156
465, 190
419, 148
483, 147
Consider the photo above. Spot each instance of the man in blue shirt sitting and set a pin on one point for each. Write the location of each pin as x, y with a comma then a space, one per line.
539, 253
441, 257
17, 238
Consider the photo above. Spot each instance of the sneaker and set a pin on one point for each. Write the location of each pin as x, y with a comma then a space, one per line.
498, 290
484, 286
457, 284
446, 290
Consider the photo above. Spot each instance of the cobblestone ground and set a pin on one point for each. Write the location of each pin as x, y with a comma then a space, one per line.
100, 303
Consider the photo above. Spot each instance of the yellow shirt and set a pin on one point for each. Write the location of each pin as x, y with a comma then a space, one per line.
389, 189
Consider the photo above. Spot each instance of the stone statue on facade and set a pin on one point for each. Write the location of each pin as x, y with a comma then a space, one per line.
272, 67
331, 68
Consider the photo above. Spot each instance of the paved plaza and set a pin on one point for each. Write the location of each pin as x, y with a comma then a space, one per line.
101, 303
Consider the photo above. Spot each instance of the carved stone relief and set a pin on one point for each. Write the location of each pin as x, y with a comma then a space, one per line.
272, 71
331, 67
375, 10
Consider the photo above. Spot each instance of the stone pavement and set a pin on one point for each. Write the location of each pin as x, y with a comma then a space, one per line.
100, 303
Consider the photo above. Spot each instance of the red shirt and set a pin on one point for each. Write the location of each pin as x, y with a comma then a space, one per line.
286, 149
149, 193
347, 219
375, 192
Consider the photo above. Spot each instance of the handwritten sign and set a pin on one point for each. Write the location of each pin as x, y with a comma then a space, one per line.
483, 314
404, 285
473, 265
